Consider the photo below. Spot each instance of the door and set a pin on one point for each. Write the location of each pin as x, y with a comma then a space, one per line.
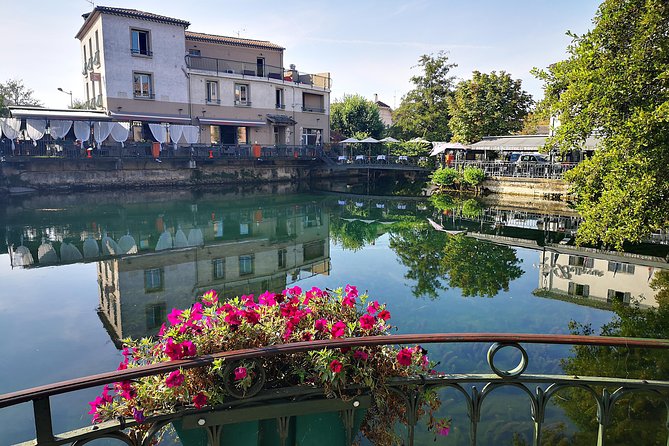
260, 69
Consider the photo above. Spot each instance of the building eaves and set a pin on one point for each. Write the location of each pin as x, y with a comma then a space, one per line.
382, 104
235, 41
131, 13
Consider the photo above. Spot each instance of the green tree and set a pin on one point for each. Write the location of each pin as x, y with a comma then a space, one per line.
355, 115
78, 104
487, 104
423, 111
615, 84
13, 92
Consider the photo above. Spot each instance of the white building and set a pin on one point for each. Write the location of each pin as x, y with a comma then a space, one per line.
143, 67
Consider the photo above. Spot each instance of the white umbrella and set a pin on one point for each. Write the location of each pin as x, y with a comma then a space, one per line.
369, 139
349, 141
389, 139
91, 248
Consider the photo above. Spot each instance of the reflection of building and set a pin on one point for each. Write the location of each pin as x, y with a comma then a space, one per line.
264, 253
599, 276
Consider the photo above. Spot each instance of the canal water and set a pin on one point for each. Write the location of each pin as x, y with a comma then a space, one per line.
80, 272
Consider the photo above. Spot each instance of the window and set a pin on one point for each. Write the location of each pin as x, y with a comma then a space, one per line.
212, 92
153, 279
311, 137
260, 66
156, 314
96, 56
242, 95
243, 229
141, 43
620, 296
581, 261
219, 268
142, 84
576, 289
622, 268
194, 53
314, 250
313, 103
245, 265
279, 99
282, 258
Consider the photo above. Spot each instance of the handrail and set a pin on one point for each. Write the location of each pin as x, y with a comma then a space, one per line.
45, 391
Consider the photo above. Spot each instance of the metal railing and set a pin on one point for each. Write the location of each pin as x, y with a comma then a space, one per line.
605, 391
520, 169
251, 69
382, 161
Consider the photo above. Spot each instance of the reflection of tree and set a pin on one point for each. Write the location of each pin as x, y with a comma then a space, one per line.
479, 268
639, 418
353, 235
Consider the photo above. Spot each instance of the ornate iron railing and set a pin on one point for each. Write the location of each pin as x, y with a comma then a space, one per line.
297, 400
518, 169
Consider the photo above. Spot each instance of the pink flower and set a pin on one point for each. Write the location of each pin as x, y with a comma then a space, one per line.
338, 329
367, 322
373, 307
348, 301
196, 312
404, 356
351, 290
443, 427
234, 317
320, 324
295, 291
173, 350
189, 348
267, 299
122, 366
163, 329
175, 316
384, 314
240, 373
360, 354
175, 379
336, 366
200, 400
210, 297
252, 317
138, 415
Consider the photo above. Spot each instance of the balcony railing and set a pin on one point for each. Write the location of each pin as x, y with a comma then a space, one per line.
606, 393
144, 95
251, 69
519, 169
313, 109
140, 52
96, 59
211, 101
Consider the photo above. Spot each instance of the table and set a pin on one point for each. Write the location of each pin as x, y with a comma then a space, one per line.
403, 158
381, 158
360, 157
341, 158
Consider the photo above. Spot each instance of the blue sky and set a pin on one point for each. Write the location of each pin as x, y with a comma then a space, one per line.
367, 46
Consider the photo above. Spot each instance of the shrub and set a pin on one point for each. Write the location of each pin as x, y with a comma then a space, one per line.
445, 176
473, 176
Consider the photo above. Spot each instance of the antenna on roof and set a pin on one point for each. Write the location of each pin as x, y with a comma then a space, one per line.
240, 31
91, 2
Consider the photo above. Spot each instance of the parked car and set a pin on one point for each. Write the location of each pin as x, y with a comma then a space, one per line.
533, 159
513, 157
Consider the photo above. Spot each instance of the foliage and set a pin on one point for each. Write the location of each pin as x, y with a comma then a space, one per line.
423, 111
353, 235
354, 115
615, 85
473, 176
13, 92
415, 147
244, 322
487, 104
536, 119
78, 104
445, 177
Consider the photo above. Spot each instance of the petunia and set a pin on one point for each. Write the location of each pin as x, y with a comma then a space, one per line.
200, 400
210, 297
175, 316
240, 373
320, 324
173, 350
404, 356
348, 301
360, 354
351, 290
175, 379
267, 299
373, 307
189, 348
252, 317
336, 366
338, 329
367, 322
196, 312
384, 315
138, 415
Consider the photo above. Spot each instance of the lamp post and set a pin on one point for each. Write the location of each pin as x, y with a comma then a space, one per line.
67, 92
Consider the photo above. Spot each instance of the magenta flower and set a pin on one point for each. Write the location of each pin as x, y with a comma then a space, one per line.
404, 356
240, 373
189, 349
196, 312
267, 299
336, 366
210, 297
320, 324
234, 317
163, 329
175, 316
351, 290
200, 400
348, 301
294, 291
360, 354
443, 427
175, 379
173, 350
373, 307
367, 322
252, 317
338, 329
138, 415
384, 314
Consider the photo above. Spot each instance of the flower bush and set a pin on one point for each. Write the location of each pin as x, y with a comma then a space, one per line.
211, 326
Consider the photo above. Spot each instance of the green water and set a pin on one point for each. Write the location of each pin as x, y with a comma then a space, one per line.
64, 307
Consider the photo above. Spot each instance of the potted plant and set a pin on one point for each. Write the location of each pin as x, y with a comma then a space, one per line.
211, 326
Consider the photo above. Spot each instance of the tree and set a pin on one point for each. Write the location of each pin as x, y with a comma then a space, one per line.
13, 92
615, 85
487, 104
355, 115
423, 111
78, 104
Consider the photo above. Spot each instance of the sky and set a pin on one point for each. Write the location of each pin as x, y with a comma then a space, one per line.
367, 46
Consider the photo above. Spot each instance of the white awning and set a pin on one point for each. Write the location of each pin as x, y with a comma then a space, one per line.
153, 117
233, 122
520, 143
439, 147
52, 113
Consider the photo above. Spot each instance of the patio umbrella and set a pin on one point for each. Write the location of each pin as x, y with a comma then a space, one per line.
369, 140
349, 141
389, 139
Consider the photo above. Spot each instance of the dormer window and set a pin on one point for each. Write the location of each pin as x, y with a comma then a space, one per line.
141, 42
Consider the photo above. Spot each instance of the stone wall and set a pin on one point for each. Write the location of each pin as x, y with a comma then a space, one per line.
532, 187
78, 174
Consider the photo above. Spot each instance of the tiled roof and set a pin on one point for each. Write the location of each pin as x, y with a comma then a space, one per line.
382, 104
236, 41
132, 13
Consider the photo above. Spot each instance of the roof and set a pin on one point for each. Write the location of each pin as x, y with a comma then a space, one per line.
89, 17
281, 120
55, 113
382, 104
521, 143
235, 41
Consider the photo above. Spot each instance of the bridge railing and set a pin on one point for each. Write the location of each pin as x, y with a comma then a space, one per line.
605, 391
519, 169
382, 160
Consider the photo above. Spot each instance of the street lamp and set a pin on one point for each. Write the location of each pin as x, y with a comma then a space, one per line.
67, 92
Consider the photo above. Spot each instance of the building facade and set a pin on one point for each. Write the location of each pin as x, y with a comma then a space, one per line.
147, 68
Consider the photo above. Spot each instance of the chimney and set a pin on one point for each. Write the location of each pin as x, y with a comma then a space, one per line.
376, 98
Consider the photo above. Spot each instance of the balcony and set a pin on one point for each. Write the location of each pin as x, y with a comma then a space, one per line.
96, 59
84, 69
144, 95
89, 64
210, 101
98, 101
310, 109
249, 69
